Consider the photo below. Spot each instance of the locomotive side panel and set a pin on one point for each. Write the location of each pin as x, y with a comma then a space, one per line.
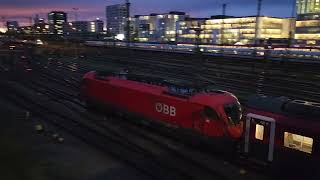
153, 105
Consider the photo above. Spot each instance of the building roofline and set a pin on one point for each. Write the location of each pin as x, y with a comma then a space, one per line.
229, 17
195, 19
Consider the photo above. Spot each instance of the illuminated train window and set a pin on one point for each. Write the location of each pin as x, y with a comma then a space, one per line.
259, 132
298, 142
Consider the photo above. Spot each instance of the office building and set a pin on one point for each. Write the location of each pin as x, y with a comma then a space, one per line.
12, 26
187, 29
57, 22
157, 27
80, 26
167, 25
145, 28
308, 6
242, 30
96, 26
308, 22
40, 26
116, 19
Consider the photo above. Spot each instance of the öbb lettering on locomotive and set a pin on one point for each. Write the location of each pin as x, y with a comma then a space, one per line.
165, 109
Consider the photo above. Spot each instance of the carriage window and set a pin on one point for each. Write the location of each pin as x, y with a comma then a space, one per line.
298, 142
259, 132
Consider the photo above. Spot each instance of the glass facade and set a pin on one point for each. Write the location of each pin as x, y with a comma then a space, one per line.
187, 29
57, 21
157, 27
308, 6
237, 30
308, 21
116, 18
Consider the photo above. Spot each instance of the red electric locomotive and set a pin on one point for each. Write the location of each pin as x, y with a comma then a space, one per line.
283, 131
214, 114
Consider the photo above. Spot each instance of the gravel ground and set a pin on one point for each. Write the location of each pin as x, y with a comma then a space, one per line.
27, 154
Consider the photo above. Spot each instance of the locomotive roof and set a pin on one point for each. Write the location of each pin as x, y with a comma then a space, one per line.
176, 86
285, 106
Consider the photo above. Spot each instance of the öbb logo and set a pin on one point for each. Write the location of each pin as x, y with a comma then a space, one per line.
165, 109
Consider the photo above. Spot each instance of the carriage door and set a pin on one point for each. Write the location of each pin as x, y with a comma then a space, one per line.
259, 137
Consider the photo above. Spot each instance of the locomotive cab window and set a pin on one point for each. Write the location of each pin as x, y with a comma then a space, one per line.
233, 112
298, 142
210, 113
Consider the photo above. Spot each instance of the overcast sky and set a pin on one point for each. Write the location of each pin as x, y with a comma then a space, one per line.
91, 9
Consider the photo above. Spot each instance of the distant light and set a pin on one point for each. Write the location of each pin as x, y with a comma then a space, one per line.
39, 42
120, 37
3, 30
238, 43
97, 18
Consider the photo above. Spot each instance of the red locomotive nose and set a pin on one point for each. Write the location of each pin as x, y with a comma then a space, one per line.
235, 131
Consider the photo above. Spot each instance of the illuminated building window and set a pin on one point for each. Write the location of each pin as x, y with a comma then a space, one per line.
298, 142
259, 132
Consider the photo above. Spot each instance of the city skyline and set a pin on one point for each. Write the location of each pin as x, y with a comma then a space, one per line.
18, 10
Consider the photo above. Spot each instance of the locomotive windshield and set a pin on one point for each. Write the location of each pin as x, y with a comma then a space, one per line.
233, 112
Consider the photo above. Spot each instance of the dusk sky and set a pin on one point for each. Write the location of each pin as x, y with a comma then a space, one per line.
91, 9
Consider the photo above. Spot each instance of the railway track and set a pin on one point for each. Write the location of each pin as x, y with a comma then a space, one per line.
69, 101
241, 82
102, 120
169, 163
58, 80
134, 153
